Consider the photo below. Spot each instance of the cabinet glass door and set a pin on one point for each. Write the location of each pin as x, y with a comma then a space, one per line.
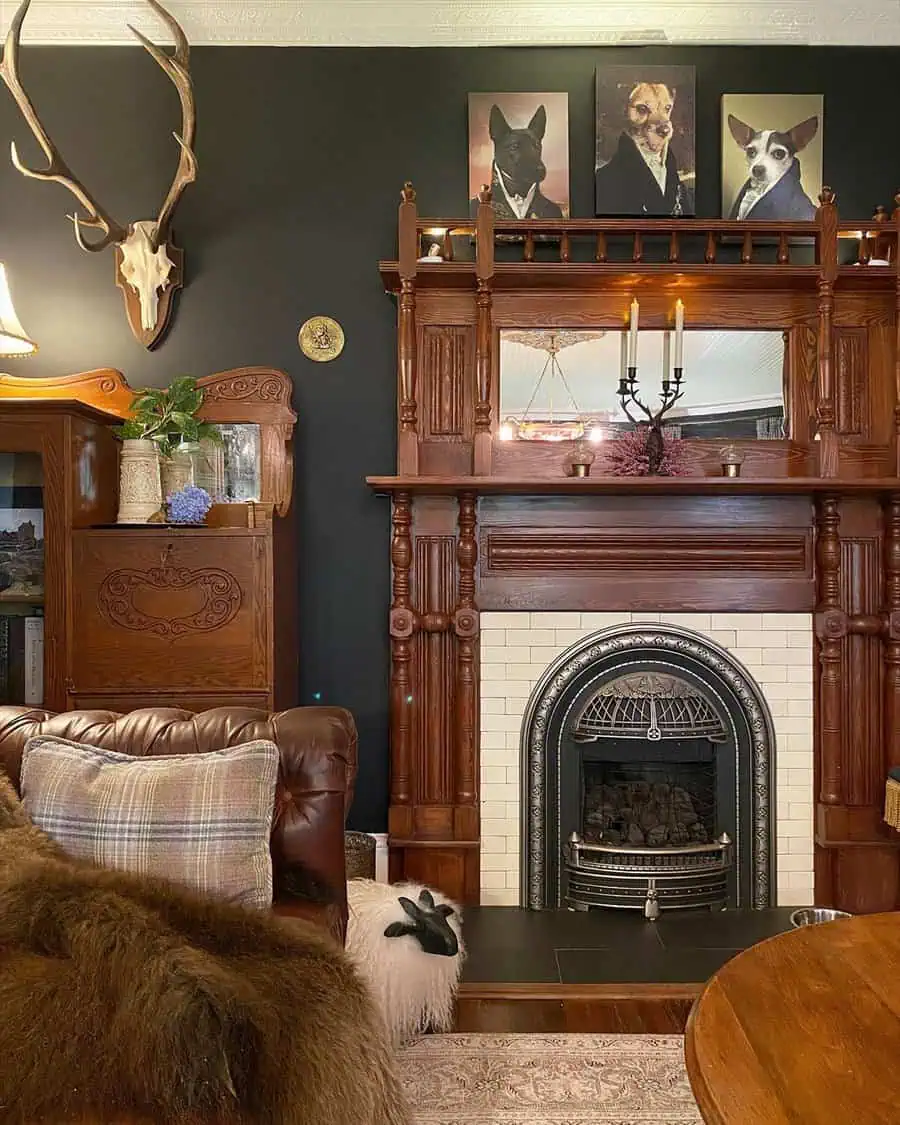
21, 579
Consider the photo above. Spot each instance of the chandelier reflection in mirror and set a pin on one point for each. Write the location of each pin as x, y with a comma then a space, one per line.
734, 387
552, 412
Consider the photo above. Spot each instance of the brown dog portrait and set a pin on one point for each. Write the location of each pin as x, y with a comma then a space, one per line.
645, 132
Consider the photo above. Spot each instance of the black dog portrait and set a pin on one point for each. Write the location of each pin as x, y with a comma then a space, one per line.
517, 167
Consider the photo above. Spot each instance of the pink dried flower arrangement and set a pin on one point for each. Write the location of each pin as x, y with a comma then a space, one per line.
626, 455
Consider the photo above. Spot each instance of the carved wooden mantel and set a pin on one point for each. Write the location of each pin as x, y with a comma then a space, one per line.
812, 525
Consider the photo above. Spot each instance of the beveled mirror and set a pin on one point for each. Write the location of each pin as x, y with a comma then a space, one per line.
559, 384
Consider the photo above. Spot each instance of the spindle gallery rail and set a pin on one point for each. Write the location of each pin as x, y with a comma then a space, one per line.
659, 243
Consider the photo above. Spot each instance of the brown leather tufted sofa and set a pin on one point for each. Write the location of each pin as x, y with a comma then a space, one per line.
315, 788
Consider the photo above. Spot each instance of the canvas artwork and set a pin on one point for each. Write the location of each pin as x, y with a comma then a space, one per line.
645, 157
21, 526
771, 156
519, 144
21, 553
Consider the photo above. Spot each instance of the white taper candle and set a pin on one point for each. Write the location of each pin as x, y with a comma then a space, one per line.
633, 334
679, 333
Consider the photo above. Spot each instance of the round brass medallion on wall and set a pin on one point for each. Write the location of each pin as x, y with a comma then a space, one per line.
321, 339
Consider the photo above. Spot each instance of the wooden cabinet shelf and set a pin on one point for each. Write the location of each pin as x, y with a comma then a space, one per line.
154, 615
642, 486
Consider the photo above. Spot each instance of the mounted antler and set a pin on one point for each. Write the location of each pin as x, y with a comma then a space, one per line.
149, 268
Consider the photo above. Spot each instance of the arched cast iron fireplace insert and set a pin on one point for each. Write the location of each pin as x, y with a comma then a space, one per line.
648, 743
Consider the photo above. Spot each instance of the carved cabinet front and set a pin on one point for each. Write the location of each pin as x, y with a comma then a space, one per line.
172, 617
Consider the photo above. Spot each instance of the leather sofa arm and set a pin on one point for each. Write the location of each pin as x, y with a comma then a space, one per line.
318, 748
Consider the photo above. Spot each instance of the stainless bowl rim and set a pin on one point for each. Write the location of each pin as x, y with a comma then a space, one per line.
816, 916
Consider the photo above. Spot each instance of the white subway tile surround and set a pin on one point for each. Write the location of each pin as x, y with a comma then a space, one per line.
516, 648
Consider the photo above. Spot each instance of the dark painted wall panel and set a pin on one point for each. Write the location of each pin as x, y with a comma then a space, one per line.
302, 153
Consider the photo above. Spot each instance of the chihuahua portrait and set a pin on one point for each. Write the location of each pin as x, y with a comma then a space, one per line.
642, 177
772, 189
518, 169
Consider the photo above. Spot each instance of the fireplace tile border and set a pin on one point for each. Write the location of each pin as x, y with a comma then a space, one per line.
516, 649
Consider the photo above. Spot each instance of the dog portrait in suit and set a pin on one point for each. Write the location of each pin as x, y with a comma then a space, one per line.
519, 144
645, 141
771, 156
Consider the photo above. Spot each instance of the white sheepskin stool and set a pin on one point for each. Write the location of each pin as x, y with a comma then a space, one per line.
407, 943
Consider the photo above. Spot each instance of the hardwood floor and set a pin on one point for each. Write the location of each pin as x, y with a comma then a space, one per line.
656, 1009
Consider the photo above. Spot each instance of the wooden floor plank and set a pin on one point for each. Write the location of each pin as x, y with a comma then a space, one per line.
657, 1009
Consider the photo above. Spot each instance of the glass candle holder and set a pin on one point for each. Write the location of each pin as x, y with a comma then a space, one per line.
732, 459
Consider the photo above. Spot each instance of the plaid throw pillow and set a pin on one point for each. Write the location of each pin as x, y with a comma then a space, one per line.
203, 820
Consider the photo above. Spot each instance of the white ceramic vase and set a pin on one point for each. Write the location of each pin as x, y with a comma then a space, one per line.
177, 471
140, 493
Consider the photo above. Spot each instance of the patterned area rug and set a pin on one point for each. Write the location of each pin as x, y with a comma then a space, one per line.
549, 1080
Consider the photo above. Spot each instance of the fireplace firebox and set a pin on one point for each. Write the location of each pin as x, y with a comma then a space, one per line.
647, 762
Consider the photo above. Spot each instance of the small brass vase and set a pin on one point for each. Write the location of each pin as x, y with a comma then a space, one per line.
732, 459
582, 459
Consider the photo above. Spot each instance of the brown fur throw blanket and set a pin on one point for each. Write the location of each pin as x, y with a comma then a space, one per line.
124, 999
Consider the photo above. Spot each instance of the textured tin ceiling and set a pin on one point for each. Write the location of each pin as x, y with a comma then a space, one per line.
448, 23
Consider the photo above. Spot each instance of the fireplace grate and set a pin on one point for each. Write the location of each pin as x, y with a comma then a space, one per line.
648, 879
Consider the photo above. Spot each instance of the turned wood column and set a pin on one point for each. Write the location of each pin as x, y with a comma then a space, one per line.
402, 628
408, 252
831, 628
892, 632
484, 332
828, 267
896, 252
466, 627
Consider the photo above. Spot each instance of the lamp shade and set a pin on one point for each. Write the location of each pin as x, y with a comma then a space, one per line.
14, 340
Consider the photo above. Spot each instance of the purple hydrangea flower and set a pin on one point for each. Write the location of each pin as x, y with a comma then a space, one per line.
189, 505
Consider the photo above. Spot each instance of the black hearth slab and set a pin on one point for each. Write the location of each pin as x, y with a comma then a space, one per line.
508, 944
511, 944
500, 928
640, 966
526, 965
722, 929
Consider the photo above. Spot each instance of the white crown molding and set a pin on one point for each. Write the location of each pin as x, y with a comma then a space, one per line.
459, 23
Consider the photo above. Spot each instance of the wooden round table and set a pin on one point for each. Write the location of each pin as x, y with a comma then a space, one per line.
803, 1029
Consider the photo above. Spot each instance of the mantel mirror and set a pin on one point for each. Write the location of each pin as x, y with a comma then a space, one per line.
561, 384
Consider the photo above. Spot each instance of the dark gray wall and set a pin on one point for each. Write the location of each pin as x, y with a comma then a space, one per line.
302, 153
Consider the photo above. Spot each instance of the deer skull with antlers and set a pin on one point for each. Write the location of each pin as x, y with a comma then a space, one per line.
148, 266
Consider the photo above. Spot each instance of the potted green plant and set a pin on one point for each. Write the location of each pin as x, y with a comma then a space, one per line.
163, 427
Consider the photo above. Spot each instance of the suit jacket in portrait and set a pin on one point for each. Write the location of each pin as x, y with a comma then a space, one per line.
786, 200
626, 186
540, 206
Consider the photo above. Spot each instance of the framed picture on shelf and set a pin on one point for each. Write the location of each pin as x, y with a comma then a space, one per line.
645, 153
519, 144
21, 528
771, 156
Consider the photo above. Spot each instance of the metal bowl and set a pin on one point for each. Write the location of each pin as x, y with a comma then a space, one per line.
815, 916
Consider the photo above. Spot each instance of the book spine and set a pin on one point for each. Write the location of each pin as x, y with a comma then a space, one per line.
4, 659
34, 661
